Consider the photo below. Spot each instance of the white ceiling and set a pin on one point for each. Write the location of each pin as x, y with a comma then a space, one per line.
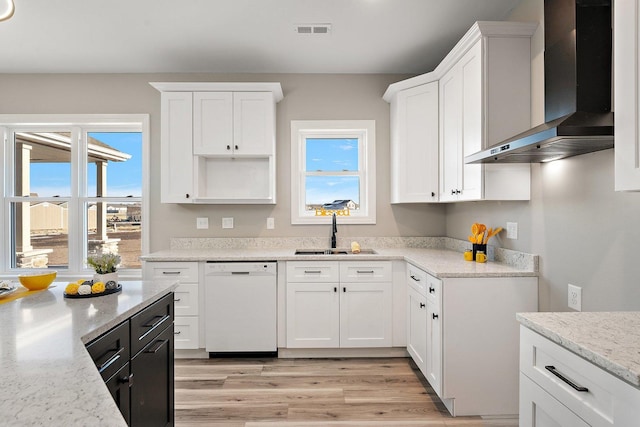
253, 36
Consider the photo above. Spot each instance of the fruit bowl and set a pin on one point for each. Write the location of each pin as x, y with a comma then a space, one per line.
37, 280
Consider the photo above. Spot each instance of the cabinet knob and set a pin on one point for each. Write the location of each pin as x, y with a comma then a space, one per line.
453, 192
421, 305
458, 191
126, 379
433, 194
228, 147
431, 290
236, 147
335, 289
187, 195
434, 316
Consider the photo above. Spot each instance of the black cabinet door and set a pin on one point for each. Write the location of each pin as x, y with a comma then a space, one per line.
118, 386
152, 394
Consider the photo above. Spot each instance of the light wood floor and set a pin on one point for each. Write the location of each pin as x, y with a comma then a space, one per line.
309, 393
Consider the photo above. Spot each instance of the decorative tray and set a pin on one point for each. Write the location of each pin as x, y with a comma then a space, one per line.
106, 292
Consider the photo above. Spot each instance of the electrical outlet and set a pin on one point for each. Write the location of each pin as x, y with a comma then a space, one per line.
575, 297
227, 222
202, 223
512, 230
271, 223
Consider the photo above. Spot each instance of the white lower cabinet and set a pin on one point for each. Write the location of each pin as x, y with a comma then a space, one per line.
560, 388
186, 299
471, 336
434, 334
338, 304
417, 328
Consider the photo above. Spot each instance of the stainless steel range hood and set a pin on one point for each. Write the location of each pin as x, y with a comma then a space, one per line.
577, 88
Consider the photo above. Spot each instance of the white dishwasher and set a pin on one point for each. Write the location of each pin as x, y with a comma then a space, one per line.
240, 307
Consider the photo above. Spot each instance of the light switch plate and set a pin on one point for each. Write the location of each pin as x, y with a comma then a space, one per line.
202, 223
271, 223
512, 230
227, 222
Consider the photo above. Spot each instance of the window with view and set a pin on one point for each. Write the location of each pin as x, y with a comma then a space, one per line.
333, 171
75, 189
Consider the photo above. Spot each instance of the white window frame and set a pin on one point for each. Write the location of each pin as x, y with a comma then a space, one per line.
365, 132
78, 125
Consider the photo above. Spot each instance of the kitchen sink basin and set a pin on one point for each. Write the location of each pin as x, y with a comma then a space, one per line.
332, 252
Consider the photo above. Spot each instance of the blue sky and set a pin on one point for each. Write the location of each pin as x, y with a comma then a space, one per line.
331, 154
123, 178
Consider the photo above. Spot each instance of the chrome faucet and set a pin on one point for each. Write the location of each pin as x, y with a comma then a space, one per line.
334, 230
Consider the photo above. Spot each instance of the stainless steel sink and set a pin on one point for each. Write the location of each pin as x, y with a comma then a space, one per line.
332, 252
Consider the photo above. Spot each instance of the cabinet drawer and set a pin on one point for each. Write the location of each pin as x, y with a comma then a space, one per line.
186, 333
313, 272
356, 271
147, 324
434, 290
595, 404
185, 299
417, 279
110, 352
184, 271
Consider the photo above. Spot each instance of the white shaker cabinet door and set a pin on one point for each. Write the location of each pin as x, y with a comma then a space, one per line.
254, 123
365, 315
212, 123
414, 145
313, 315
176, 176
417, 328
539, 409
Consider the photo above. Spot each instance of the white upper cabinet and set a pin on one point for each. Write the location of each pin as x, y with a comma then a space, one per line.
461, 128
484, 98
177, 109
238, 124
414, 145
212, 123
218, 142
626, 95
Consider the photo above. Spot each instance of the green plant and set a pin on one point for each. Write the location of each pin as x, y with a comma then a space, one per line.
104, 263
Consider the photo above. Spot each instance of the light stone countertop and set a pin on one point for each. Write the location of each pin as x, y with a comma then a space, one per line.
441, 263
610, 340
47, 376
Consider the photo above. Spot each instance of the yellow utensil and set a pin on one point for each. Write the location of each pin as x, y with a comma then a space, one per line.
486, 239
475, 229
472, 239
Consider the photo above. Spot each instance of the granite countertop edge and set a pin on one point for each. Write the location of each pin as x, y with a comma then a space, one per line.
610, 357
439, 262
38, 356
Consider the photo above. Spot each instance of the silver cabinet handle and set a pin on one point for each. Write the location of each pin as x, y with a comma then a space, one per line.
312, 272
171, 273
365, 271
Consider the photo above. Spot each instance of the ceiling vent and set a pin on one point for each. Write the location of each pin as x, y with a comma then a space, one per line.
313, 29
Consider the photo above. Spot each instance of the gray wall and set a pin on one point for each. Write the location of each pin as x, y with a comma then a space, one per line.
307, 97
585, 232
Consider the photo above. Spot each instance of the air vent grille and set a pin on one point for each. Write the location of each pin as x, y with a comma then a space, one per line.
313, 29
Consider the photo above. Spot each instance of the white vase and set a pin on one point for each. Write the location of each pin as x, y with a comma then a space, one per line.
104, 278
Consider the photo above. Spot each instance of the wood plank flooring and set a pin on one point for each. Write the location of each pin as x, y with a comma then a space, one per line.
310, 393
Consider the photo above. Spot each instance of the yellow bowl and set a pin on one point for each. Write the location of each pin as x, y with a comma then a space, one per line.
37, 280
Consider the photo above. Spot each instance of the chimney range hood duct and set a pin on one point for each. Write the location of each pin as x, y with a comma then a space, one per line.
577, 73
